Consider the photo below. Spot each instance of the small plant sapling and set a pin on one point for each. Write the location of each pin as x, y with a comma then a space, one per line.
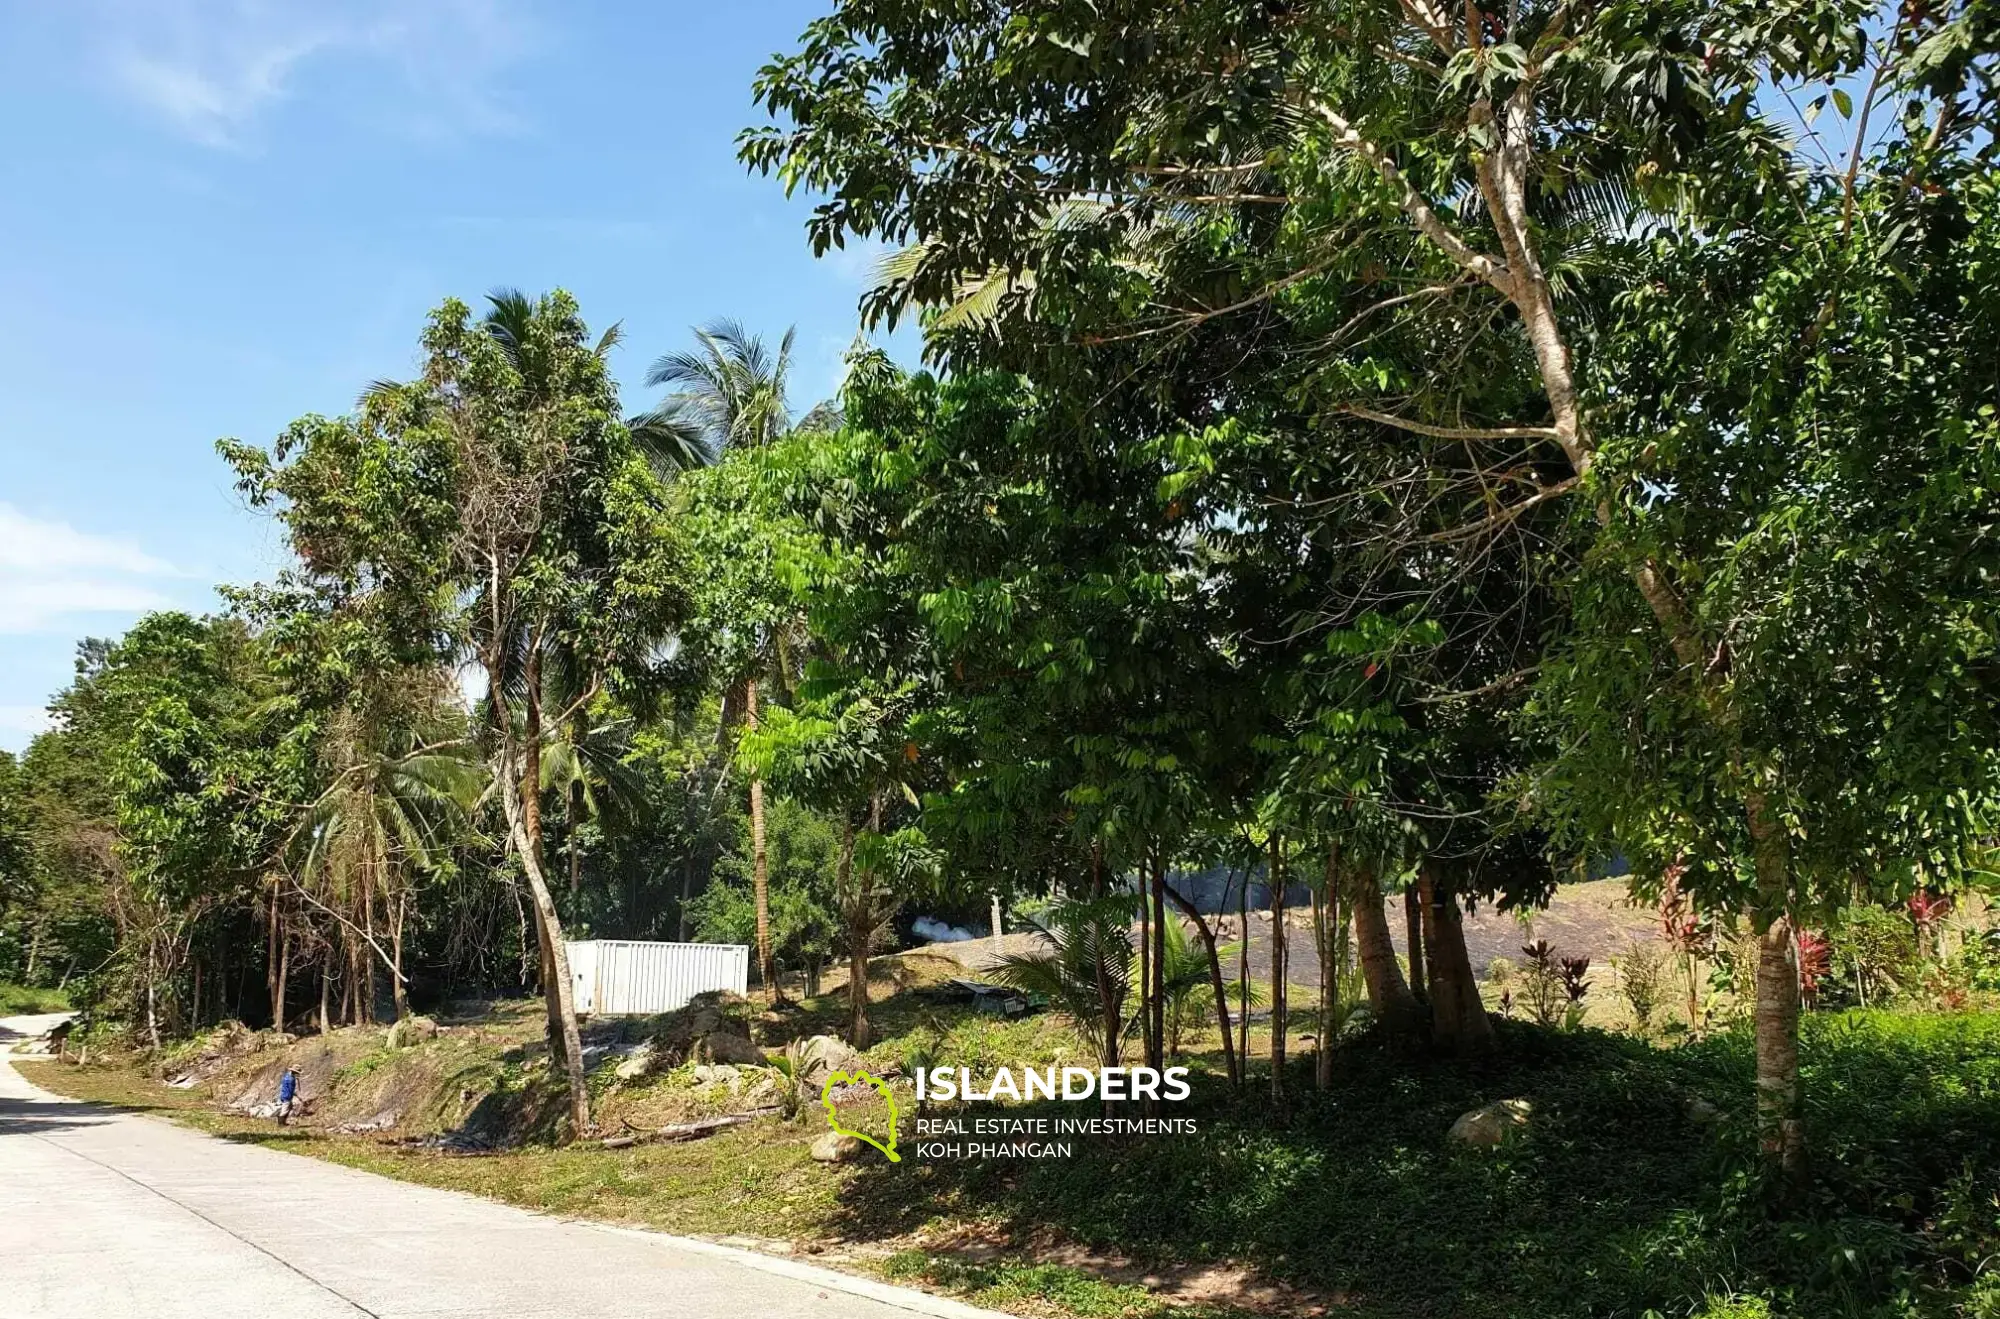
1575, 974
1642, 979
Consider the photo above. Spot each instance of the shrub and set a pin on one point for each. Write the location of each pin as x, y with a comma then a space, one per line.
1642, 976
1542, 983
1875, 951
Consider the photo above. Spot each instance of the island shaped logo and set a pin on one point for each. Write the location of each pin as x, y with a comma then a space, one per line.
839, 1079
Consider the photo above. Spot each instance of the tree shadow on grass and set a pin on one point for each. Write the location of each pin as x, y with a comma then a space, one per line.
1625, 1195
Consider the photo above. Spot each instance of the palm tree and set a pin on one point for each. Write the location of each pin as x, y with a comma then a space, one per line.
1185, 981
730, 392
386, 816
583, 762
1085, 972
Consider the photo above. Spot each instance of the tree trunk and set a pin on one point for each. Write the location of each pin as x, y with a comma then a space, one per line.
357, 1012
1214, 981
567, 1047
1389, 996
860, 932
574, 819
34, 949
1330, 944
397, 985
1278, 973
368, 929
1413, 937
1159, 901
152, 1007
271, 940
1107, 1001
520, 799
1458, 1016
760, 867
325, 991
1243, 975
1780, 1128
284, 975
1141, 888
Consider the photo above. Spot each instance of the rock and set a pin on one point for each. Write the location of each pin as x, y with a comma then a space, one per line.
637, 1063
1703, 1112
727, 1047
712, 1028
819, 1057
833, 1147
410, 1031
1494, 1125
717, 1074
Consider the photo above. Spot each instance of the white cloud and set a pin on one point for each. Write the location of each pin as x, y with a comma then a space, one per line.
50, 572
32, 545
209, 68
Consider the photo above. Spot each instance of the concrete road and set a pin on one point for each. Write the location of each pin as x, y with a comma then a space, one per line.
105, 1215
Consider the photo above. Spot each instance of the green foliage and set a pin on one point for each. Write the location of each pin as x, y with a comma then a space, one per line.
1874, 952
17, 879
802, 848
28, 1000
1643, 970
1086, 971
1617, 1202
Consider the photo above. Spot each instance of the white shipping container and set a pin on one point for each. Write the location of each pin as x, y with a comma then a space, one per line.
623, 977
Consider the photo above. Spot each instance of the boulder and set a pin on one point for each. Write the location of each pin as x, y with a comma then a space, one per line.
637, 1063
834, 1147
1494, 1125
717, 1074
820, 1056
727, 1047
410, 1031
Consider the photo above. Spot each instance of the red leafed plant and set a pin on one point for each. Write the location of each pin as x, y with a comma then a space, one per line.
1927, 908
1815, 961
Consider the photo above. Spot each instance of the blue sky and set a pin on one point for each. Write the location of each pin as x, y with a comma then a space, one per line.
217, 215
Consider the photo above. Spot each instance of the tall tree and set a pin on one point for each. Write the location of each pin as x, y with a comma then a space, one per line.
1419, 170
730, 393
503, 506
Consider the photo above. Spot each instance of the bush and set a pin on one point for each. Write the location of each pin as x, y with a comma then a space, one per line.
1642, 976
1874, 954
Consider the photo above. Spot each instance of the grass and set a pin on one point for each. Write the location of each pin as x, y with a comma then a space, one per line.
1625, 1199
24, 1001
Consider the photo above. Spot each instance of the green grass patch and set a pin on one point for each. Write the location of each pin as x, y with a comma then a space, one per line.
26, 1001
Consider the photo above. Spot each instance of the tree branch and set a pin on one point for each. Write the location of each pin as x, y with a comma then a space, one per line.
1412, 205
1452, 432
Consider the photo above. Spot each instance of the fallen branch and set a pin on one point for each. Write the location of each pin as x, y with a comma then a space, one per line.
680, 1131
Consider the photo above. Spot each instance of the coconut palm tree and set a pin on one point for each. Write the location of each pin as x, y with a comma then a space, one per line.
730, 392
1086, 969
388, 815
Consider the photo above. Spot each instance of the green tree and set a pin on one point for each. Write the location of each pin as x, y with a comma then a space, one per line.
802, 907
1412, 175
500, 504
